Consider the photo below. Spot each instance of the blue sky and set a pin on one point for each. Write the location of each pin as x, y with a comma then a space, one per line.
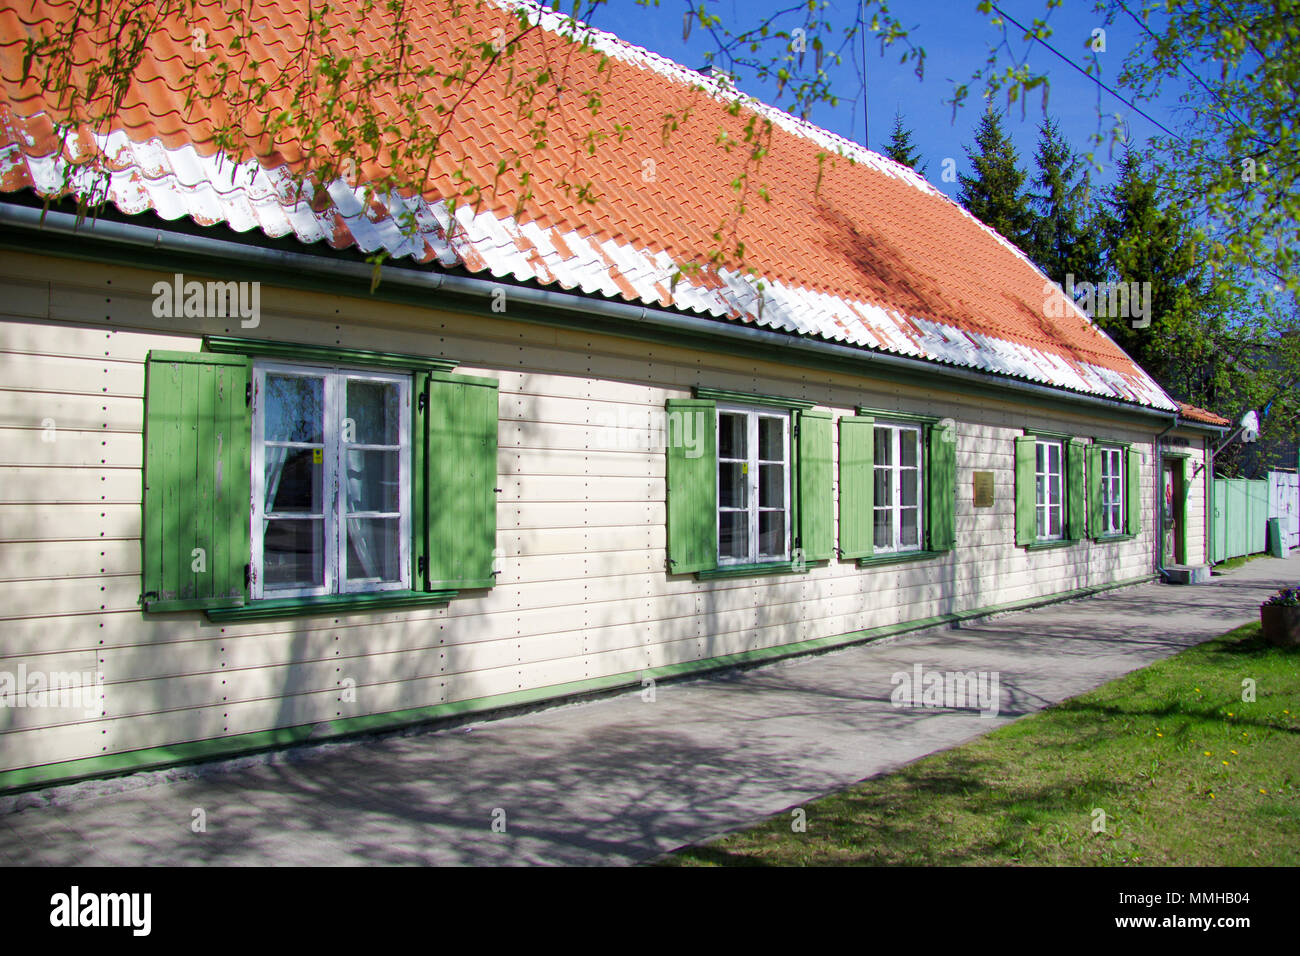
956, 38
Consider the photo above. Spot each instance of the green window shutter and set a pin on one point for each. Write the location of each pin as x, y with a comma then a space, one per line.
1026, 500
1076, 490
198, 433
1133, 491
857, 485
816, 494
1094, 491
460, 475
941, 480
692, 487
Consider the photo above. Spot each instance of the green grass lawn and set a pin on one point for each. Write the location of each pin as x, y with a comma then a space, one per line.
1233, 563
1185, 771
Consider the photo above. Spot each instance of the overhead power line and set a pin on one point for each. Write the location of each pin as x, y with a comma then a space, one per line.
1012, 20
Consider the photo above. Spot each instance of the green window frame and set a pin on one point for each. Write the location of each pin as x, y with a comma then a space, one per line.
197, 501
936, 470
1039, 500
694, 467
1108, 461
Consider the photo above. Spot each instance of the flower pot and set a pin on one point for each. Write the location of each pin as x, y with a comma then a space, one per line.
1281, 624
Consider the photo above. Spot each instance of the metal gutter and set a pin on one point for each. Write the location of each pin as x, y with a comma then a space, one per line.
332, 269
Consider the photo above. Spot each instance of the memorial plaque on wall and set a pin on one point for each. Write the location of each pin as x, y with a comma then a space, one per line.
983, 489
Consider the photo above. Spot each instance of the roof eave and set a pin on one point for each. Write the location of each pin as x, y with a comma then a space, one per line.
703, 330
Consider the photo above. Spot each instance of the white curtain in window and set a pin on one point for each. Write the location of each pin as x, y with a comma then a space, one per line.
363, 536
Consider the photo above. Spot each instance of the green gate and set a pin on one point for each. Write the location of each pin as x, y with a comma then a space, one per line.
1240, 517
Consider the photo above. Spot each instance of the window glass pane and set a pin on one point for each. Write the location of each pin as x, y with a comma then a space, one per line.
374, 550
1054, 458
907, 448
1054, 489
293, 480
771, 534
732, 486
372, 480
771, 486
1054, 526
1040, 457
373, 415
293, 553
1042, 520
907, 527
294, 408
1040, 489
731, 436
884, 446
733, 534
771, 439
883, 528
884, 487
907, 481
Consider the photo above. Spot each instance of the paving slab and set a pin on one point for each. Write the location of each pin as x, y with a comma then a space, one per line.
619, 779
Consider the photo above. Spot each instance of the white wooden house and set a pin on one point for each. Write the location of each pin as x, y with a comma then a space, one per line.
249, 501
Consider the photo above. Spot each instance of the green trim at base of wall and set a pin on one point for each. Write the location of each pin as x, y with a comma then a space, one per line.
377, 601
154, 758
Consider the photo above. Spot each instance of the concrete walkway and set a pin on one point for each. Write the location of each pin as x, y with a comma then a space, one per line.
621, 780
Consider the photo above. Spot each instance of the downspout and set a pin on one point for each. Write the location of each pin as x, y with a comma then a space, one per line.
1210, 513
1160, 501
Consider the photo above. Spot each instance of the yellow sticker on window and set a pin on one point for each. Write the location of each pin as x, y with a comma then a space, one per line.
317, 456
744, 468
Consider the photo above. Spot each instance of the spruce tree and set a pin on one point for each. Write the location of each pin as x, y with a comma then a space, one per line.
1147, 240
900, 147
1064, 238
996, 194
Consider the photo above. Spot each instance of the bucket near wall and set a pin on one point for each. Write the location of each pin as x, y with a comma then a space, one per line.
1276, 546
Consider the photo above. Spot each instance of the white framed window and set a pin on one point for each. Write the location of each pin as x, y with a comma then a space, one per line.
897, 514
1112, 490
1049, 486
753, 485
331, 482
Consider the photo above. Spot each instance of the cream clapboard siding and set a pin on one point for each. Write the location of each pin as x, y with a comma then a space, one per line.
582, 591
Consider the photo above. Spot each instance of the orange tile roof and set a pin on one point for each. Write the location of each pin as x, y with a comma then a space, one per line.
851, 248
1201, 415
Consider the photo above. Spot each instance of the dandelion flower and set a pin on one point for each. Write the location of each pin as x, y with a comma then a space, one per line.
1208, 754
1233, 752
